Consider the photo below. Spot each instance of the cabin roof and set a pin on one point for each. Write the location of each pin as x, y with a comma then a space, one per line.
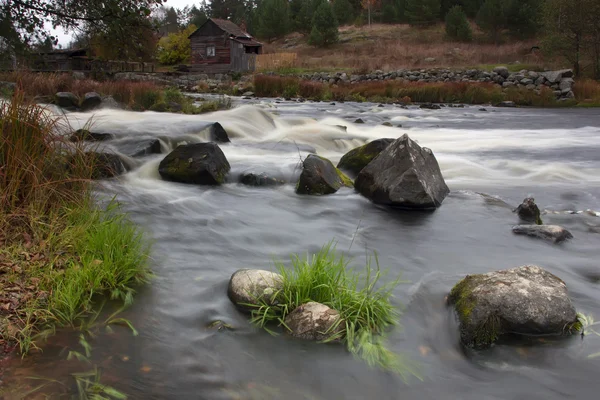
68, 52
235, 32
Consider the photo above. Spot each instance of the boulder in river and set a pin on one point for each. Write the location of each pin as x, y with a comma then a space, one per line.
200, 163
356, 159
137, 147
105, 165
91, 101
525, 301
430, 106
249, 287
88, 136
404, 175
553, 233
314, 321
218, 134
252, 179
528, 211
319, 177
66, 100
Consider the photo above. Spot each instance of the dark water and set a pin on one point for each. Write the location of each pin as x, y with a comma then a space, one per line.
202, 235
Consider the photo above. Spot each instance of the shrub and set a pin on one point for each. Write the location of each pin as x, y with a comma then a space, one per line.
343, 11
324, 27
457, 25
175, 48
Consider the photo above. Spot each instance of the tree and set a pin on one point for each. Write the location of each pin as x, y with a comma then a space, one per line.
28, 17
573, 31
392, 11
523, 17
369, 5
175, 48
470, 7
198, 16
491, 18
324, 26
274, 19
423, 12
457, 25
303, 14
343, 11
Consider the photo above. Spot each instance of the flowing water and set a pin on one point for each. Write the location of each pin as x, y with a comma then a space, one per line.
491, 160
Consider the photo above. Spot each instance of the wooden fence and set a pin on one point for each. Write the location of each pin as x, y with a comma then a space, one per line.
266, 62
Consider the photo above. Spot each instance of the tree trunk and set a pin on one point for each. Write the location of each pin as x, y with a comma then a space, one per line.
369, 12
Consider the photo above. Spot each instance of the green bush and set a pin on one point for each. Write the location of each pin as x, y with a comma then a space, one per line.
325, 27
175, 48
457, 25
343, 11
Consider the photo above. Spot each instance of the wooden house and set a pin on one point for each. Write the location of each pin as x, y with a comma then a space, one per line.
220, 46
60, 60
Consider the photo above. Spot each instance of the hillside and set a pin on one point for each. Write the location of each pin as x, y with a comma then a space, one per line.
387, 47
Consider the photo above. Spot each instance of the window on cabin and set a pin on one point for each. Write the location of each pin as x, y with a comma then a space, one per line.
210, 51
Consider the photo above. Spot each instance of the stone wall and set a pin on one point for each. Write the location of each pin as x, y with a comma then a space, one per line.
561, 82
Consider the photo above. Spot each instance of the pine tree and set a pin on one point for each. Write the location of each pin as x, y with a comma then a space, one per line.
274, 19
343, 11
491, 18
324, 26
423, 12
523, 17
457, 25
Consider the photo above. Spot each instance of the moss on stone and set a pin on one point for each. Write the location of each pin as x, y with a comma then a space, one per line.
345, 180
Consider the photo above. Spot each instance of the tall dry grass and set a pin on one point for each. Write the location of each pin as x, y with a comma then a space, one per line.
587, 91
265, 62
133, 94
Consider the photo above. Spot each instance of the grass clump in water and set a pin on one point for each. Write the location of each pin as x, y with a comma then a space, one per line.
364, 306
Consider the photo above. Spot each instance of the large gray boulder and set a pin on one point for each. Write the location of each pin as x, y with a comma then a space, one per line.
403, 175
251, 287
524, 301
557, 76
356, 159
200, 163
315, 321
66, 100
91, 101
320, 177
218, 133
138, 147
553, 233
502, 71
528, 211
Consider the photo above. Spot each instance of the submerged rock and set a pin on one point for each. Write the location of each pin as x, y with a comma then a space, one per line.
66, 100
553, 233
200, 163
86, 135
404, 175
528, 211
430, 106
105, 165
319, 177
356, 159
138, 148
91, 101
249, 287
314, 321
252, 179
525, 301
359, 121
507, 104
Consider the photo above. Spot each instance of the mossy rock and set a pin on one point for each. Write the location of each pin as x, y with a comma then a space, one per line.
200, 163
159, 107
355, 160
524, 301
320, 177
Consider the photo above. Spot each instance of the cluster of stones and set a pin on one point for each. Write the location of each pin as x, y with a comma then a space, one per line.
561, 82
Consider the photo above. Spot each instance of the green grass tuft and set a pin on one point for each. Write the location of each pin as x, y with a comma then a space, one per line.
365, 306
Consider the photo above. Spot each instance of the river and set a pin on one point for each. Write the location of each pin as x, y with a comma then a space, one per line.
491, 161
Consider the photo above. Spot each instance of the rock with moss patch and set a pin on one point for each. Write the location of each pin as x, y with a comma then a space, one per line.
248, 287
355, 160
553, 233
319, 177
524, 301
199, 163
528, 211
404, 175
314, 321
